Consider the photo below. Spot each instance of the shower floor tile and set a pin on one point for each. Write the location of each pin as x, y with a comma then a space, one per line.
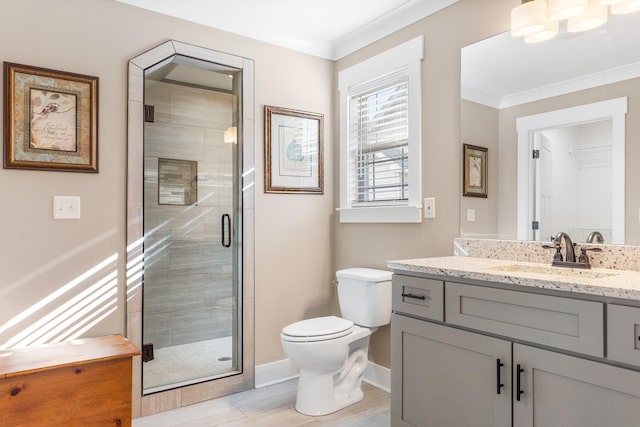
180, 363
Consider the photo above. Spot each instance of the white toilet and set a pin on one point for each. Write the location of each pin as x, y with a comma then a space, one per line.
332, 351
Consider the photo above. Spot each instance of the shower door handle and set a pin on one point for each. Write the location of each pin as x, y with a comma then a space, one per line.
226, 229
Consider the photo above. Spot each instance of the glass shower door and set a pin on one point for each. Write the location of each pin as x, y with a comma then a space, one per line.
191, 285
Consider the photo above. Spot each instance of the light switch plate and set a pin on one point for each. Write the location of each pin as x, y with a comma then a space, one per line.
430, 207
66, 207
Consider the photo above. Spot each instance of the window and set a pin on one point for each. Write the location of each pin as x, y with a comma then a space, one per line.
380, 137
379, 144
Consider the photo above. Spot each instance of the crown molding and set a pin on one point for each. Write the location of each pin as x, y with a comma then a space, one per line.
402, 16
399, 18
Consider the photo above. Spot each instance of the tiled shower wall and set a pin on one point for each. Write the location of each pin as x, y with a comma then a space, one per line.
188, 296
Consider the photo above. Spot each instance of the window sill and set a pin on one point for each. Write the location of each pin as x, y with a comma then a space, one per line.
381, 214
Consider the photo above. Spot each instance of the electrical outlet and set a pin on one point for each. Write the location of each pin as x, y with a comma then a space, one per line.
430, 207
471, 215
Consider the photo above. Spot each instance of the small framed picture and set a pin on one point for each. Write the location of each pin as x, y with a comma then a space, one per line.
293, 151
474, 171
51, 119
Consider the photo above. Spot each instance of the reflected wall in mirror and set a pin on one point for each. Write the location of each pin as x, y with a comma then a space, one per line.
504, 80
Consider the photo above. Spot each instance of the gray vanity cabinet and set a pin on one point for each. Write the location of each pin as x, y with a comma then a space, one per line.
562, 390
448, 377
492, 351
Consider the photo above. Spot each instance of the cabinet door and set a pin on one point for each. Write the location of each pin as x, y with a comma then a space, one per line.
442, 376
562, 390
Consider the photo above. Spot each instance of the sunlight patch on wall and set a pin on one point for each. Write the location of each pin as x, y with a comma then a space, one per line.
69, 311
135, 265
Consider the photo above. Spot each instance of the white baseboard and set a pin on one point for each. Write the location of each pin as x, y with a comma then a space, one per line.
285, 370
275, 372
378, 376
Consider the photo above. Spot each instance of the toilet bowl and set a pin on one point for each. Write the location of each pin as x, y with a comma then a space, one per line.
331, 351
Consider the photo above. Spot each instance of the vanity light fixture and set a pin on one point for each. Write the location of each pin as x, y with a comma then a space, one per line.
549, 31
528, 18
593, 16
620, 7
538, 20
558, 10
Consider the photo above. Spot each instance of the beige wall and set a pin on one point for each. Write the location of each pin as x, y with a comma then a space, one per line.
39, 256
445, 32
479, 126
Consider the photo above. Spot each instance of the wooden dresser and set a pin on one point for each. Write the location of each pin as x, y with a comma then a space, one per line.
85, 382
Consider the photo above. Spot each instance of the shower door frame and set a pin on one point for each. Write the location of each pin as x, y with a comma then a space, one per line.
175, 398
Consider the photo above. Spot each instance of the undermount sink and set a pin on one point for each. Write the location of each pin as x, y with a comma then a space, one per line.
554, 271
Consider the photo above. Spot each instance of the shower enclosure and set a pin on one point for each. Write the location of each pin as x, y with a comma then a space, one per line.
190, 225
192, 309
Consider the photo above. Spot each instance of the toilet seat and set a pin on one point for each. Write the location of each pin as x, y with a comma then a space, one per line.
317, 329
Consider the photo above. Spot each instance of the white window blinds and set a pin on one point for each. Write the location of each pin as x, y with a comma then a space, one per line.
378, 141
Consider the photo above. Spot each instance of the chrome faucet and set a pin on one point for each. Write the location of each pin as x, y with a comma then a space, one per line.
596, 237
569, 254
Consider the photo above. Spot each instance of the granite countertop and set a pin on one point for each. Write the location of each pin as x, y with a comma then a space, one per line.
595, 281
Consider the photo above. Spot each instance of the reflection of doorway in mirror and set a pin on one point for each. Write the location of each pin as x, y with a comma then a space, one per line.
573, 175
544, 196
581, 187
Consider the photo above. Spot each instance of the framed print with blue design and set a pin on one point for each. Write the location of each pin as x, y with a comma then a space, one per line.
293, 151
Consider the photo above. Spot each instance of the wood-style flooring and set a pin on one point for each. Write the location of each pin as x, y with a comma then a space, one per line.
272, 406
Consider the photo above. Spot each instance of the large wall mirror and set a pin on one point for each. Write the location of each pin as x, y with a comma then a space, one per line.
569, 102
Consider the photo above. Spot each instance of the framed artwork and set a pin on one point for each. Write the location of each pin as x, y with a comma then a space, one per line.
293, 151
50, 119
475, 171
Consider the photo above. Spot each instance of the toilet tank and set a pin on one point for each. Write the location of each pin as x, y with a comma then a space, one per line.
365, 296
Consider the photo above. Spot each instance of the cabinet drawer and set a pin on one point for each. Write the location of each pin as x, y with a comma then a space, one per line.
418, 296
623, 334
565, 323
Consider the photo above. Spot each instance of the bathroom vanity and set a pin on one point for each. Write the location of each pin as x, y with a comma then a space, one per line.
488, 342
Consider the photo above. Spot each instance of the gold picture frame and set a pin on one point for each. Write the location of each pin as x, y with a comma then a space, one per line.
50, 119
293, 151
474, 171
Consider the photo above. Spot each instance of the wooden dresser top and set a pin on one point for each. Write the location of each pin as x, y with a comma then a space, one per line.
21, 361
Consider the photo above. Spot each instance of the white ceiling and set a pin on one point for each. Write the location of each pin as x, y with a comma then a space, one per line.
503, 71
325, 28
